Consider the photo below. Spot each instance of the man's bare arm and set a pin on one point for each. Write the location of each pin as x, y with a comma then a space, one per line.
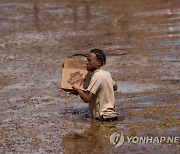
85, 96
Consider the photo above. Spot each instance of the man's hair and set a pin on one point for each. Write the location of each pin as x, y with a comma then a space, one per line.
100, 55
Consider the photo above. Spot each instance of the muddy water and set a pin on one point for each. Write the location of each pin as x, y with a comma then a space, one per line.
142, 42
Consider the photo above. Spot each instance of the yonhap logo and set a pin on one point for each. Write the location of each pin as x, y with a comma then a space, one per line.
117, 139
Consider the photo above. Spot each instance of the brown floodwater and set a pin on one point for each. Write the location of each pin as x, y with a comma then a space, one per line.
142, 42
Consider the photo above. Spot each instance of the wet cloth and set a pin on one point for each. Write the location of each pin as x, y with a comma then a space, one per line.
100, 83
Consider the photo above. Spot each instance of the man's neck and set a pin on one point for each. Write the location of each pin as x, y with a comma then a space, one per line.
97, 69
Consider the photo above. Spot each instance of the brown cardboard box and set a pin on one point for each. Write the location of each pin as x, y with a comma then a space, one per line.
74, 71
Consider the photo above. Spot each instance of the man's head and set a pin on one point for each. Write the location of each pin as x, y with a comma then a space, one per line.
96, 58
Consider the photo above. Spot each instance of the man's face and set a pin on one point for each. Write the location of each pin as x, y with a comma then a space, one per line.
92, 62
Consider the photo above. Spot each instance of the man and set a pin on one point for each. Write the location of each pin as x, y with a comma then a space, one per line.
99, 87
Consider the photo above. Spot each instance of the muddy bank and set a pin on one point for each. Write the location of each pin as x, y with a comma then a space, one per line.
141, 40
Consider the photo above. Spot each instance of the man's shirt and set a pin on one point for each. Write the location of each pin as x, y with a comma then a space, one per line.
100, 83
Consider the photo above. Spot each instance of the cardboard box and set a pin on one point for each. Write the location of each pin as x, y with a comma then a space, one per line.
74, 71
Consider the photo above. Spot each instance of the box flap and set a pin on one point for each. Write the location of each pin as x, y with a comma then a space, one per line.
74, 63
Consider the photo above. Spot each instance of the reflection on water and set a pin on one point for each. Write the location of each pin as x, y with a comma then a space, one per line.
75, 13
95, 139
127, 23
37, 23
36, 16
88, 12
79, 11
